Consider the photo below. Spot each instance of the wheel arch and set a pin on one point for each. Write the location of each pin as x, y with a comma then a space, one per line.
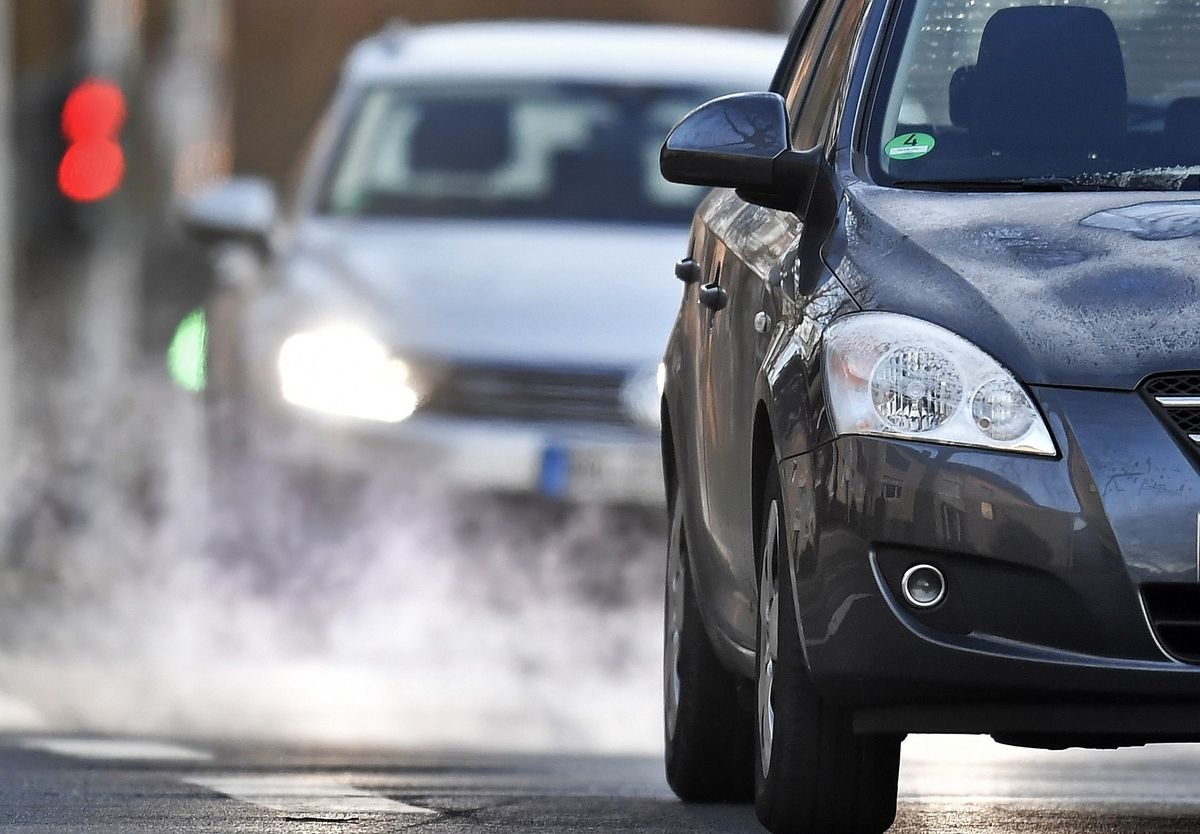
766, 454
667, 440
762, 456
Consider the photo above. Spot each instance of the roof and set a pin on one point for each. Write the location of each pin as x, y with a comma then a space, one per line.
617, 53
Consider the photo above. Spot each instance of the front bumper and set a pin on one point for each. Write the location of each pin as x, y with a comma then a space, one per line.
1045, 559
561, 461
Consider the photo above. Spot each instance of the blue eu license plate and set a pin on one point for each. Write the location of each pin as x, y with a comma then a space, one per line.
555, 476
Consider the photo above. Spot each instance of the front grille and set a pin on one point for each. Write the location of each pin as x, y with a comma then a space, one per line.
1177, 399
528, 394
1174, 612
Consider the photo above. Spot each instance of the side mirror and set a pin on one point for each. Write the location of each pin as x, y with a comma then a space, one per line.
741, 141
241, 210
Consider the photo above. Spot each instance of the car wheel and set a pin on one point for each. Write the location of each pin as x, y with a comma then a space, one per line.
814, 775
709, 736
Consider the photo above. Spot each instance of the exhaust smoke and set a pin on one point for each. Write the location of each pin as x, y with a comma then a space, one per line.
434, 621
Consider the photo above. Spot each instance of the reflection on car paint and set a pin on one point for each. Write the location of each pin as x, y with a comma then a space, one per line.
1151, 221
818, 311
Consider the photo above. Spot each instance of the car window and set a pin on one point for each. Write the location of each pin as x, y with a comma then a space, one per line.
1004, 92
568, 152
831, 72
805, 55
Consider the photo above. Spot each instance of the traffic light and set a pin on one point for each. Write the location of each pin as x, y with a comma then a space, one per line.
93, 165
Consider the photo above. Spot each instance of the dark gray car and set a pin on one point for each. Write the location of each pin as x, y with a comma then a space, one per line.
932, 401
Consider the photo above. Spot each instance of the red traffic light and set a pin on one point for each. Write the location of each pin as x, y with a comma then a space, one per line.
94, 110
91, 170
94, 164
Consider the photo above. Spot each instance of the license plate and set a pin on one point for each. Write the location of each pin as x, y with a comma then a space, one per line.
602, 473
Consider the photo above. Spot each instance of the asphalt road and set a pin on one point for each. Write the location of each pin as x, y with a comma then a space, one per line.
56, 783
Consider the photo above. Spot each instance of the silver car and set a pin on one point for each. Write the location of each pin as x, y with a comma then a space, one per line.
474, 281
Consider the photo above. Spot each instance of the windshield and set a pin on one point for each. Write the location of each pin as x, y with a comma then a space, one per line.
1022, 95
563, 152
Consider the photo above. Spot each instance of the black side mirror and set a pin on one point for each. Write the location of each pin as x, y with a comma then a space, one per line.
741, 141
240, 210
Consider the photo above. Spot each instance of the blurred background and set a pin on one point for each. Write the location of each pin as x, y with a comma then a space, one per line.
234, 497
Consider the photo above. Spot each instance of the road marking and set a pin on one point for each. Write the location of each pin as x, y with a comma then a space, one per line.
116, 749
305, 794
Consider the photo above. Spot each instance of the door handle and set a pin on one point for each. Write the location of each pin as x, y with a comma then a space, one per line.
714, 297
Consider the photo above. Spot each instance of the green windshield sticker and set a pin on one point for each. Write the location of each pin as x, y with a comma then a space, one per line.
910, 146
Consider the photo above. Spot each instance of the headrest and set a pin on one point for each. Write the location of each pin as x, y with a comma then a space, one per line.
961, 87
1049, 79
462, 135
1183, 118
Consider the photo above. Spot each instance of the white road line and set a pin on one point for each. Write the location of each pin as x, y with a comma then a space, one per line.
116, 749
304, 794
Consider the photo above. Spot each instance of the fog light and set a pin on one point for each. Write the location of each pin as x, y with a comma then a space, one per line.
923, 586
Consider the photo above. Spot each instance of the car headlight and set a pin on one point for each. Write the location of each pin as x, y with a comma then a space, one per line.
642, 393
897, 376
343, 370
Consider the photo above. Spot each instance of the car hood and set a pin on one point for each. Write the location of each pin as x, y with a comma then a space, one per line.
1077, 289
524, 293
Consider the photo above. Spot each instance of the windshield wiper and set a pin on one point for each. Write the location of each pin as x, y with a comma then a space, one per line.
1010, 184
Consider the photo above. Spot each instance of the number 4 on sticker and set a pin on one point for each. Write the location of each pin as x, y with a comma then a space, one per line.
909, 146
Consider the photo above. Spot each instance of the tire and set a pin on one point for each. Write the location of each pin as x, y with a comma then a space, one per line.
709, 735
813, 774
